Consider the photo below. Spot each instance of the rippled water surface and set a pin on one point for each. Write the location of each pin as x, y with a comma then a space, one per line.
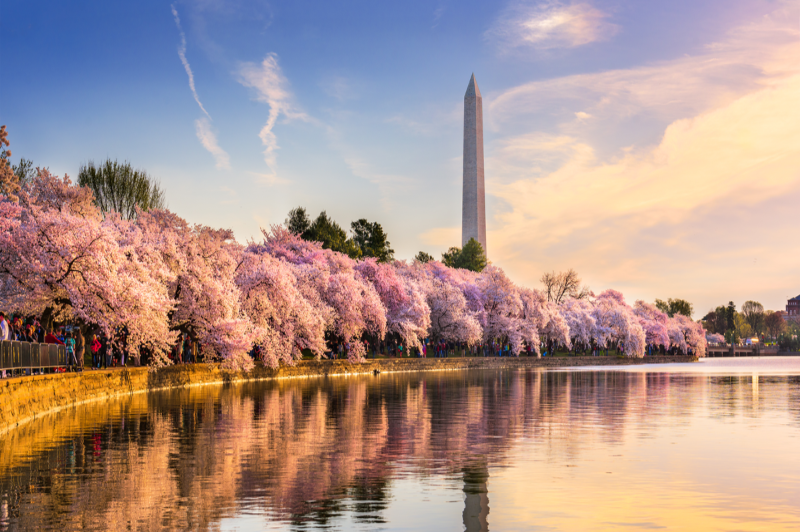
707, 446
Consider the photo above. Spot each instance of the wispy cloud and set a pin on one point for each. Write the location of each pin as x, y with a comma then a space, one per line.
182, 55
269, 179
209, 141
340, 88
437, 16
271, 88
548, 25
202, 126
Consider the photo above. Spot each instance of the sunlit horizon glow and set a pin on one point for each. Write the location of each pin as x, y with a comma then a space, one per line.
655, 153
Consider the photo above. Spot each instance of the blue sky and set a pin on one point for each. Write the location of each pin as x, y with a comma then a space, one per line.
606, 124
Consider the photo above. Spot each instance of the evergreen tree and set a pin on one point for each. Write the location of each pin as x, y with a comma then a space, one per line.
730, 315
298, 221
471, 257
372, 240
368, 240
332, 236
451, 257
423, 257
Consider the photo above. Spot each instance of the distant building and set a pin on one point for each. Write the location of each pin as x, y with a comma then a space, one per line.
793, 309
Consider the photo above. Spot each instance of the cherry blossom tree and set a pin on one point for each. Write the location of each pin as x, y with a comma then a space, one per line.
283, 321
158, 275
450, 318
654, 322
546, 316
615, 321
60, 258
694, 336
407, 312
349, 303
197, 265
580, 320
502, 309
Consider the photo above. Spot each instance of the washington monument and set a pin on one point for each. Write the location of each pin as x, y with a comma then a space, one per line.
473, 215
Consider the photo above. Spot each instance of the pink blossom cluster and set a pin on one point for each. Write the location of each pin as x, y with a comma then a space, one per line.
158, 275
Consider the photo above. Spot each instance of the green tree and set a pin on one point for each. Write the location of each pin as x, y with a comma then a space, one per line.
423, 257
730, 315
332, 236
372, 240
753, 313
743, 329
298, 221
119, 188
451, 257
716, 320
471, 257
774, 323
24, 171
675, 306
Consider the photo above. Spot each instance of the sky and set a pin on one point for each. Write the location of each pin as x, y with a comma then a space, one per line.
654, 147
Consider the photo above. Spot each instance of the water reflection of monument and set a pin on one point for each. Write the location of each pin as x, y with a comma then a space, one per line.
476, 497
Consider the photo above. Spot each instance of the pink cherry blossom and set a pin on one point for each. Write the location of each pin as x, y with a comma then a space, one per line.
615, 321
61, 256
159, 275
578, 314
654, 322
407, 312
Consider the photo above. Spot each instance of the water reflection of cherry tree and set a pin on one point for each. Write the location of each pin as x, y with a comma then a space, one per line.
307, 452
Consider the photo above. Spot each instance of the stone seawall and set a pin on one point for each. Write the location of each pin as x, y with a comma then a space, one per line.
26, 398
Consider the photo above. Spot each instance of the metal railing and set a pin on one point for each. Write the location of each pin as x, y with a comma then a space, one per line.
27, 358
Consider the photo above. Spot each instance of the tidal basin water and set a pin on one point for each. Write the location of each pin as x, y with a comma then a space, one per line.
707, 446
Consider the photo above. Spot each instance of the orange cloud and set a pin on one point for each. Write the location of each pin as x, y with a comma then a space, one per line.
625, 214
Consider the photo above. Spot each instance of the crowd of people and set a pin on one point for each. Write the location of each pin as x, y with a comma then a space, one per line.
394, 348
92, 351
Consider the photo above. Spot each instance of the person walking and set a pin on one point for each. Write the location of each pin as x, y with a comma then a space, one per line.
187, 348
95, 347
109, 358
69, 342
80, 347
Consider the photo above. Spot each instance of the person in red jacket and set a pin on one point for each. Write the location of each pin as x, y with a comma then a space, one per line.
51, 338
95, 347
